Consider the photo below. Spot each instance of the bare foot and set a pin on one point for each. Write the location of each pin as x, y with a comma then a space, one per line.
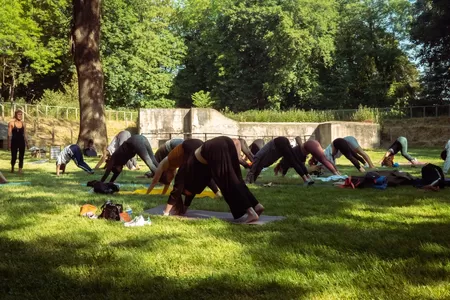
252, 216
259, 209
20, 172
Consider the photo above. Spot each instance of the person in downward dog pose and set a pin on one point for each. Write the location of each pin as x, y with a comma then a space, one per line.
116, 142
340, 147
400, 145
270, 153
354, 145
315, 149
256, 146
71, 152
17, 140
188, 186
241, 146
218, 159
137, 144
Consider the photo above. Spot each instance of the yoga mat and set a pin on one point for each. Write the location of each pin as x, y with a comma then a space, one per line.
37, 162
205, 214
126, 184
158, 192
16, 183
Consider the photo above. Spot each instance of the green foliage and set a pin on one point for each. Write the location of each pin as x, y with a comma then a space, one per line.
161, 103
366, 114
25, 51
67, 96
294, 115
431, 33
254, 55
334, 243
370, 67
140, 52
202, 99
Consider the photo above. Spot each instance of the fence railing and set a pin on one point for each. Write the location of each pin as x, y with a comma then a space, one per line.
37, 111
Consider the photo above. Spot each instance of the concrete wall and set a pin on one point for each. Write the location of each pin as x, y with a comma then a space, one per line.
3, 135
157, 124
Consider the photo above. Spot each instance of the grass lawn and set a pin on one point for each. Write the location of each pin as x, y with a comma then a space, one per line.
334, 244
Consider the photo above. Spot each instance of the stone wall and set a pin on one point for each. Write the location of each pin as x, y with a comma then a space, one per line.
160, 125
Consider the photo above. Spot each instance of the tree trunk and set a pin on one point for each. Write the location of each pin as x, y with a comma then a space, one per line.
86, 53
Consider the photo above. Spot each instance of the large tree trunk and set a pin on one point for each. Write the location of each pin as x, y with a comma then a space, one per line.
86, 52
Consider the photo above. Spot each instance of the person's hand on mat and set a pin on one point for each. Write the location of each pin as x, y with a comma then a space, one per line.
362, 170
219, 194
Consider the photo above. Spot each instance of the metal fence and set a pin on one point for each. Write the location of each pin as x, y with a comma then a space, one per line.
36, 111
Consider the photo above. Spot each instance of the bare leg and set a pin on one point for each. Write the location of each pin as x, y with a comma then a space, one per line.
2, 178
366, 157
166, 211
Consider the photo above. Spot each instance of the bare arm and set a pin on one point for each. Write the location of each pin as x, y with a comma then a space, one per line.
102, 160
25, 135
163, 166
10, 128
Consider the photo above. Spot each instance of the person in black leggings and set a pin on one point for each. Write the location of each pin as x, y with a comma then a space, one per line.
137, 144
341, 145
256, 146
270, 153
17, 141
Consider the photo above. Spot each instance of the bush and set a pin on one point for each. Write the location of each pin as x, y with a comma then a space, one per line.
365, 114
66, 97
281, 116
202, 99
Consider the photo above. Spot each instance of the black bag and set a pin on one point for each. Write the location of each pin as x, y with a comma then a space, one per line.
111, 211
103, 188
433, 175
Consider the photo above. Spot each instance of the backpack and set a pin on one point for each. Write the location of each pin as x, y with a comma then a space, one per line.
433, 175
111, 211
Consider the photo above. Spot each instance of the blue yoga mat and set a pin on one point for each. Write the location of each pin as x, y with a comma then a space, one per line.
16, 183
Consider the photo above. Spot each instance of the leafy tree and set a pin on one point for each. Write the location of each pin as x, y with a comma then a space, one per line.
431, 32
24, 49
370, 66
140, 52
251, 54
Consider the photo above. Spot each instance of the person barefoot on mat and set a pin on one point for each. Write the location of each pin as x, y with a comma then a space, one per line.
71, 152
400, 145
218, 158
270, 153
137, 144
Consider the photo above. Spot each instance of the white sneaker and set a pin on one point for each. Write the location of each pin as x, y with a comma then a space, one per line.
137, 221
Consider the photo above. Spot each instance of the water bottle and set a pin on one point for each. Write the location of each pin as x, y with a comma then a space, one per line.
129, 211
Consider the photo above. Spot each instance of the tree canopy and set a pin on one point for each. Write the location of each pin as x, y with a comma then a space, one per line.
242, 54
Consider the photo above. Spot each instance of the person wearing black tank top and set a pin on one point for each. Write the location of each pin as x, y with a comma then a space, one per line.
17, 140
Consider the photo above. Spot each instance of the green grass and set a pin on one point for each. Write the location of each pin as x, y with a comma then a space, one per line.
334, 244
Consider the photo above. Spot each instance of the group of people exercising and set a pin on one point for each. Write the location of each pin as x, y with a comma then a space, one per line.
215, 163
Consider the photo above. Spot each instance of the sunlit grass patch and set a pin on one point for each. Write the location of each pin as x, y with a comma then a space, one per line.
334, 243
